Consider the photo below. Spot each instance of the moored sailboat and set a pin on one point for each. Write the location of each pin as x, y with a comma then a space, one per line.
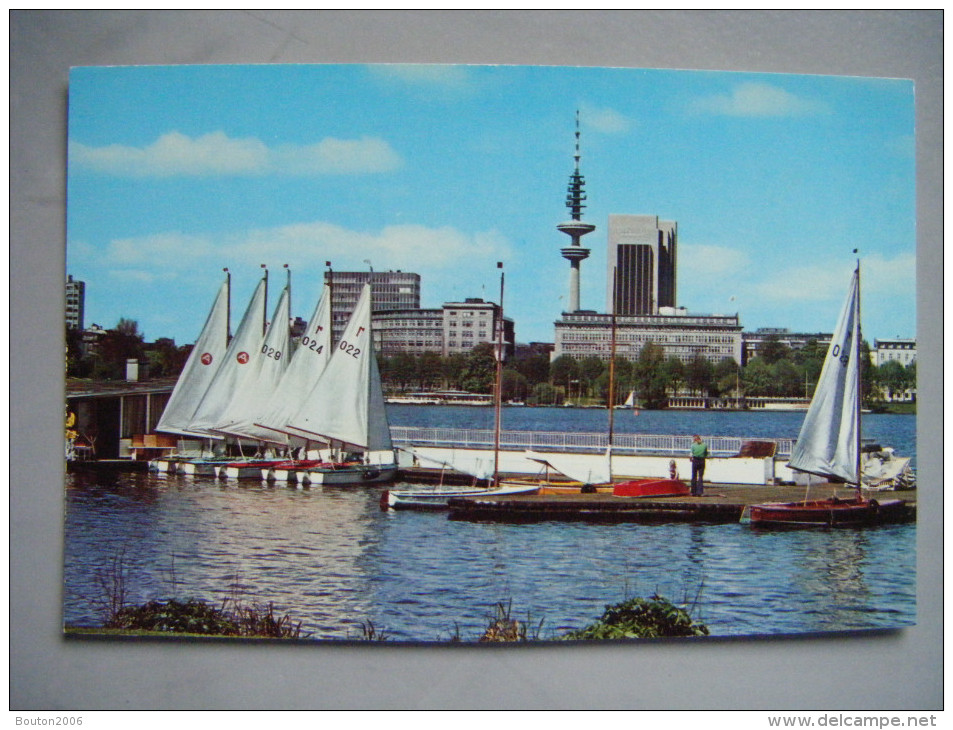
266, 369
345, 409
828, 444
486, 469
303, 371
231, 379
207, 356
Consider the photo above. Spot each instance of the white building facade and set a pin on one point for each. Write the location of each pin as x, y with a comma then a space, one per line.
903, 351
681, 335
455, 328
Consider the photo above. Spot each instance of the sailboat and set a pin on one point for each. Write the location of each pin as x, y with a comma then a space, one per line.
630, 403
231, 379
345, 409
305, 368
264, 374
585, 476
207, 356
477, 465
828, 444
480, 467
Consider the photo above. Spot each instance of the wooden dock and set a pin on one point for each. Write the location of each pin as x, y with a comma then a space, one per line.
722, 503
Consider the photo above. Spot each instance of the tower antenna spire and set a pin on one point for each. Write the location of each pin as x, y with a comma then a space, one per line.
575, 228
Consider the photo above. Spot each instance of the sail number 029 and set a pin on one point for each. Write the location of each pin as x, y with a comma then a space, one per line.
271, 352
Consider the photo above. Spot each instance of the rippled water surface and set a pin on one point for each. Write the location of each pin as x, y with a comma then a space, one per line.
332, 559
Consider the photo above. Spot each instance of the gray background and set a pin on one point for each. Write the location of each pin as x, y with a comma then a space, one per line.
891, 671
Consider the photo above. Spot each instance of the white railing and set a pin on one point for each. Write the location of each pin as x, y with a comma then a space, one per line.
635, 443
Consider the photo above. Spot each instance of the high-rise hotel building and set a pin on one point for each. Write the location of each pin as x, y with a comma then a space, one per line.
641, 258
389, 290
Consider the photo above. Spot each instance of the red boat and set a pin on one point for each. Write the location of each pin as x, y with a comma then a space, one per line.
833, 512
651, 488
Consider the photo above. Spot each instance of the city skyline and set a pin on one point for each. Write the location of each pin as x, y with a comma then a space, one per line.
177, 172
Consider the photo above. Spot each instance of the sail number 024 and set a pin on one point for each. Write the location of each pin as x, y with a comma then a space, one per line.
312, 344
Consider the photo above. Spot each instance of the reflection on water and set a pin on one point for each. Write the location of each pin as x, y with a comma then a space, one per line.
332, 559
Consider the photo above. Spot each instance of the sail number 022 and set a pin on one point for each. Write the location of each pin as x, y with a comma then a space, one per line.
349, 349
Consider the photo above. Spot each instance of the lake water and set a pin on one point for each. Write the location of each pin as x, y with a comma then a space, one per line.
332, 559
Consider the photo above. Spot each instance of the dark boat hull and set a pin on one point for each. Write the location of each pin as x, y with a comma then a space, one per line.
827, 513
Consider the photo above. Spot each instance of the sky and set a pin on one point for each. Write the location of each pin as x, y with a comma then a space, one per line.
176, 172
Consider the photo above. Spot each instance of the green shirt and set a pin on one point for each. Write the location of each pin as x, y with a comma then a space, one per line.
699, 450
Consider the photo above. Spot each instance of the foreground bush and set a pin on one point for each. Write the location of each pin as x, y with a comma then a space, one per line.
640, 618
198, 617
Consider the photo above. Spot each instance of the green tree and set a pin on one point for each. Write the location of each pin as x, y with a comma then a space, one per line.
544, 394
787, 379
429, 370
403, 370
514, 385
757, 378
726, 376
674, 370
699, 374
810, 360
893, 378
591, 368
534, 367
563, 371
772, 350
165, 359
118, 345
454, 370
651, 377
480, 372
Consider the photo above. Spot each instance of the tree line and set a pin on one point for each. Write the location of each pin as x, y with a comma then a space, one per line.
530, 377
778, 371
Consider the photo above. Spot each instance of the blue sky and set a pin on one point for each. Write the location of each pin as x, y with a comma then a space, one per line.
176, 172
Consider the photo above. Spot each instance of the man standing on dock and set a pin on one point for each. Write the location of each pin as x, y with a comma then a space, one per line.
699, 454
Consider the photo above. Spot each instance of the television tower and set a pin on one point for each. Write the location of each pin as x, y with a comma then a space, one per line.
575, 228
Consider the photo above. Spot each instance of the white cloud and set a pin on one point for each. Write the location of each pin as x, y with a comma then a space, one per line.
753, 99
826, 281
705, 260
419, 74
218, 154
409, 247
604, 119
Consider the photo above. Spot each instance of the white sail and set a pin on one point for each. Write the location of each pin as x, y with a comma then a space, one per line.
244, 350
476, 464
264, 375
581, 470
306, 365
347, 402
630, 401
829, 439
206, 357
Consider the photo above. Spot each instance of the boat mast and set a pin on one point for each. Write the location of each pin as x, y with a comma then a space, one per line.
264, 311
612, 374
860, 382
498, 400
330, 277
228, 306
